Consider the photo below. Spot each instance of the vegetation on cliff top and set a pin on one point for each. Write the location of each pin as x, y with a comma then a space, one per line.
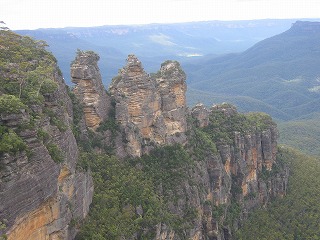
225, 121
27, 78
27, 68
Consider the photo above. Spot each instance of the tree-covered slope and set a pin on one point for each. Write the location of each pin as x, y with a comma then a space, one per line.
296, 216
302, 134
281, 71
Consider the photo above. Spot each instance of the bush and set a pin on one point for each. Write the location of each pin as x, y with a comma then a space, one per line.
10, 142
10, 104
55, 153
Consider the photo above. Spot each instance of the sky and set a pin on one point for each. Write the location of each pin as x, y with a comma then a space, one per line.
33, 14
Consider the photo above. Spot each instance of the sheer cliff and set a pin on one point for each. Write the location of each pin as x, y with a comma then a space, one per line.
41, 191
208, 167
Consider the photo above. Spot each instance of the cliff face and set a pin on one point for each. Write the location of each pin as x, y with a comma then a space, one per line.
150, 110
85, 74
234, 166
226, 183
41, 191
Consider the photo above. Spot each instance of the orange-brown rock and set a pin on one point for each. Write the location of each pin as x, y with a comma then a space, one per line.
36, 191
89, 88
232, 176
171, 84
150, 110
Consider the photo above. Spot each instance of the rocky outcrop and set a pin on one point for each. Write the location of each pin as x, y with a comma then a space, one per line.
150, 110
201, 114
224, 186
42, 193
229, 178
89, 88
171, 84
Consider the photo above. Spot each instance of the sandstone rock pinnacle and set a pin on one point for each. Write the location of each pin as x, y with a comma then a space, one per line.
150, 110
89, 88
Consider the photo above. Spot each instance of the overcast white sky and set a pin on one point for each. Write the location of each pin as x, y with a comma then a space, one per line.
32, 14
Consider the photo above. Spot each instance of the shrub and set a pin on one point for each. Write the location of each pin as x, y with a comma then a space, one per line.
10, 142
10, 104
55, 152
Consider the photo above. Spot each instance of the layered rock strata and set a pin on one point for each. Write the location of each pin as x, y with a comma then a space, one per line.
89, 89
39, 197
225, 186
201, 114
150, 110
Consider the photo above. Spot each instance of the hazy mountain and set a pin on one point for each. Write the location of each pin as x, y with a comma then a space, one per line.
155, 43
281, 71
278, 75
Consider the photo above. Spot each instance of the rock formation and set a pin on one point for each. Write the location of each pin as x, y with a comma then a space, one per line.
150, 110
43, 195
200, 113
237, 176
89, 88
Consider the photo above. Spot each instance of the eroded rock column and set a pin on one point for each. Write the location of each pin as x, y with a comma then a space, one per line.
89, 89
150, 110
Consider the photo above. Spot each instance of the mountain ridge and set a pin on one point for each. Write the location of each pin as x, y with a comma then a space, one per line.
166, 41
274, 66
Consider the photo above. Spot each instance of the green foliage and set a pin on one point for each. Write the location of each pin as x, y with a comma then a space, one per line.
261, 121
26, 68
119, 190
235, 186
222, 126
278, 75
233, 213
10, 142
43, 135
201, 144
77, 107
54, 120
167, 166
55, 152
250, 195
302, 134
122, 187
218, 211
48, 86
110, 123
10, 104
296, 216
2, 227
